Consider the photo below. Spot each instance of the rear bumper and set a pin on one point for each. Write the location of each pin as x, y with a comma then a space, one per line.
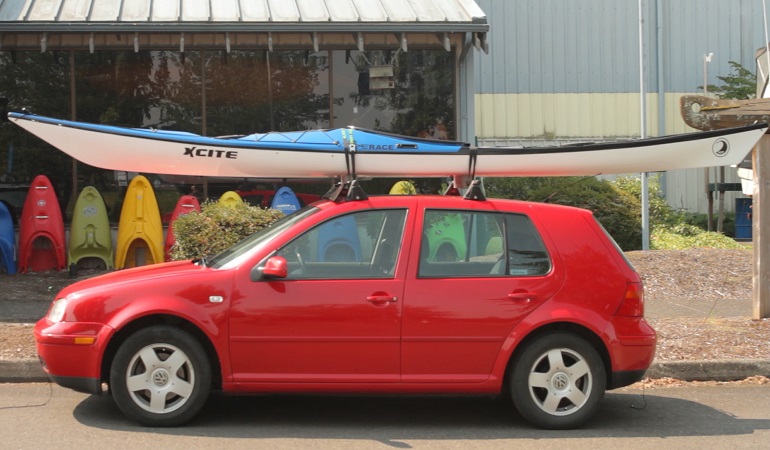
71, 353
632, 350
624, 378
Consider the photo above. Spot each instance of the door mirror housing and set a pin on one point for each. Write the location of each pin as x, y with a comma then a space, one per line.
275, 267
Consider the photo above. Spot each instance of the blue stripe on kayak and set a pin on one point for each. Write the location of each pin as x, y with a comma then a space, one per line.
311, 140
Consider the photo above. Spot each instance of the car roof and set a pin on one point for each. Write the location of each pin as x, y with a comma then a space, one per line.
458, 202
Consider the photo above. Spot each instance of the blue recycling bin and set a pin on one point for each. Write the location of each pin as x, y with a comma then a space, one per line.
743, 218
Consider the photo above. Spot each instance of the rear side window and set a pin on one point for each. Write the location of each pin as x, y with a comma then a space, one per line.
477, 244
527, 255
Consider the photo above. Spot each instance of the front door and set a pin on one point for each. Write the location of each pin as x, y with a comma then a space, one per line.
336, 317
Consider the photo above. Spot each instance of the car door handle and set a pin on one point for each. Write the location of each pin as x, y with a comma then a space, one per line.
382, 298
522, 296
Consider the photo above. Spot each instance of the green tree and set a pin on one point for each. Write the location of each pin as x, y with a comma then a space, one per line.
740, 84
38, 82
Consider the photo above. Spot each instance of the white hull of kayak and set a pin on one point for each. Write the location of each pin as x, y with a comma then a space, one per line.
187, 154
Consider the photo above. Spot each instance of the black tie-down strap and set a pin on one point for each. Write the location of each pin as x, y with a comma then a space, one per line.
350, 189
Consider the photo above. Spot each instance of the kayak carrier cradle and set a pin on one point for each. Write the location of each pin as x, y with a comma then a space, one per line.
474, 191
350, 189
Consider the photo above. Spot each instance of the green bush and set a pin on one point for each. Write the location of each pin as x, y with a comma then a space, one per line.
217, 227
676, 230
616, 210
701, 221
685, 236
617, 205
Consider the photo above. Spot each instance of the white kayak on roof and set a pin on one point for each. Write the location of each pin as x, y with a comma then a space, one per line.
330, 153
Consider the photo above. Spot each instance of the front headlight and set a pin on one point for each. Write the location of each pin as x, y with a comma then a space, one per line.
56, 314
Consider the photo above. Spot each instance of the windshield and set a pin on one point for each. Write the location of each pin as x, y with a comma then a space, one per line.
231, 257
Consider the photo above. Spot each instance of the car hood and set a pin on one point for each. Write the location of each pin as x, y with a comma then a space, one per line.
120, 296
143, 275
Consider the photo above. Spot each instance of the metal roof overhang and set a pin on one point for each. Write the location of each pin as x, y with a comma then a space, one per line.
25, 21
242, 27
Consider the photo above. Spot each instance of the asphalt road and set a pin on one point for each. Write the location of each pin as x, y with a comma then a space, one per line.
38, 415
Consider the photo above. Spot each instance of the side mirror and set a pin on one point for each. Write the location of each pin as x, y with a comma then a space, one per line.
275, 267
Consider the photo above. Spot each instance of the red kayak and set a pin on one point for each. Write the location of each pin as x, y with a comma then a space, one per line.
185, 205
41, 230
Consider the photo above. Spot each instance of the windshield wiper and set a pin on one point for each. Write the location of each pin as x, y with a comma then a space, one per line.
201, 261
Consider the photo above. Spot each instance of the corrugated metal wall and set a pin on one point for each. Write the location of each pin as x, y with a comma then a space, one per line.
586, 46
561, 70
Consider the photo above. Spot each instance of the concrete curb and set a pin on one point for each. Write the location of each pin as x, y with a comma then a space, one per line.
719, 370
21, 371
30, 370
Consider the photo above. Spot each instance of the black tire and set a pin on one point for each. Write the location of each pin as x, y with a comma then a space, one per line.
160, 377
558, 381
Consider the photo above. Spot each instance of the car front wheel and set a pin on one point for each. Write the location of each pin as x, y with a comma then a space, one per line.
558, 381
160, 376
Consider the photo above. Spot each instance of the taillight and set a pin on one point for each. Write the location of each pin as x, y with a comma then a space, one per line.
633, 301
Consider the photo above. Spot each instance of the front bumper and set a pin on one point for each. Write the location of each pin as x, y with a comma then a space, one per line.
71, 353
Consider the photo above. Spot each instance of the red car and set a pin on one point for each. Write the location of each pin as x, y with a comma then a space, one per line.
535, 301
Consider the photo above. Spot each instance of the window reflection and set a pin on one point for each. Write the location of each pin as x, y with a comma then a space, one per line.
421, 102
213, 93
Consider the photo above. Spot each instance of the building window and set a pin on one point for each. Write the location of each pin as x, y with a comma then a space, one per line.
214, 93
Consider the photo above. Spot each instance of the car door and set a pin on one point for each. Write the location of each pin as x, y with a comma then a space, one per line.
479, 273
336, 316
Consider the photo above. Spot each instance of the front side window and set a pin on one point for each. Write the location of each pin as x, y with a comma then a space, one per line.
359, 245
474, 244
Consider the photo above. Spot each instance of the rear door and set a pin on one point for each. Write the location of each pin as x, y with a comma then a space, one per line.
480, 272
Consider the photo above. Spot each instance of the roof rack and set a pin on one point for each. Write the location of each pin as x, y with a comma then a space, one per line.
474, 192
350, 189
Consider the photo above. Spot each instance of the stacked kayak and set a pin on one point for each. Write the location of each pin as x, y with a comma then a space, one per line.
90, 244
230, 198
41, 230
185, 205
285, 200
140, 230
7, 242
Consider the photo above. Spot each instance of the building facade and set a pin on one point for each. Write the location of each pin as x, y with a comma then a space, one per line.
556, 71
564, 71
231, 67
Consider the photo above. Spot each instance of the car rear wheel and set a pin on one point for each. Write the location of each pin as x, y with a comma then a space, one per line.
558, 381
161, 376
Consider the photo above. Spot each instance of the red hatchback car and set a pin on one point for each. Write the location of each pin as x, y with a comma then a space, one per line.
534, 301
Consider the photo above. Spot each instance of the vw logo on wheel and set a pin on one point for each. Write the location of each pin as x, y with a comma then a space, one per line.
160, 377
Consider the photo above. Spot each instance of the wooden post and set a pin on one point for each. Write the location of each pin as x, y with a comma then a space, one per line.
760, 224
710, 198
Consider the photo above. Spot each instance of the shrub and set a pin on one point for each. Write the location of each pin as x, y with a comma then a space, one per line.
685, 236
616, 210
617, 205
676, 230
217, 227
